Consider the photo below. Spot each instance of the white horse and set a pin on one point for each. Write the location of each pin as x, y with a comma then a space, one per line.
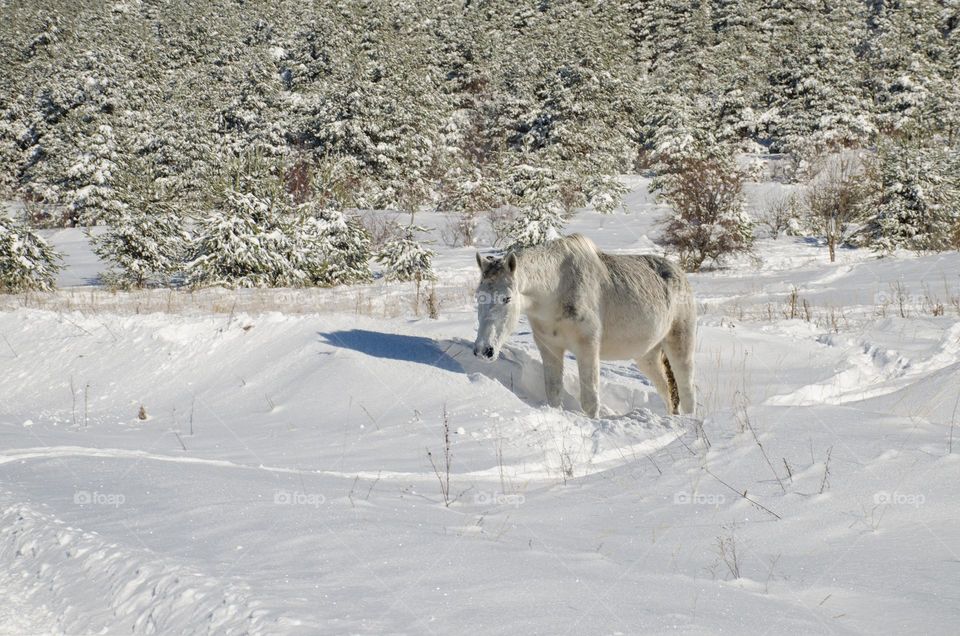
598, 306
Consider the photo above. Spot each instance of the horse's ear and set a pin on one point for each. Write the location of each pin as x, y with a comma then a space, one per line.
479, 261
512, 262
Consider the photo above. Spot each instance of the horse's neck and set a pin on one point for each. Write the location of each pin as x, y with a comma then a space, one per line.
538, 271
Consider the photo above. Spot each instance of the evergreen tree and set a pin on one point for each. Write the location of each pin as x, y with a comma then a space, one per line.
256, 236
146, 240
74, 166
247, 239
917, 201
9, 151
332, 248
244, 243
382, 107
535, 226
468, 157
405, 259
905, 52
679, 99
814, 98
27, 263
946, 106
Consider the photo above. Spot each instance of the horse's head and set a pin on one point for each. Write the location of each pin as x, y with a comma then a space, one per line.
498, 304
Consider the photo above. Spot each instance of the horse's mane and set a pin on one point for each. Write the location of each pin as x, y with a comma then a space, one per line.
581, 244
580, 247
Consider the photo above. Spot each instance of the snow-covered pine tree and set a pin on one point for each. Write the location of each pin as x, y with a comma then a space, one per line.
681, 96
381, 107
27, 262
406, 259
815, 96
535, 226
72, 92
331, 248
947, 92
252, 118
74, 166
176, 145
539, 193
742, 49
248, 238
906, 53
244, 242
10, 126
575, 116
9, 151
146, 240
93, 198
917, 200
257, 236
468, 155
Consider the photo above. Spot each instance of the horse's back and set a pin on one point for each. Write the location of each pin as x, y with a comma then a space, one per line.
645, 278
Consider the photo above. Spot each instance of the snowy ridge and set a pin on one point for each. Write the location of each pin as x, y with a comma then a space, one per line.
874, 371
53, 565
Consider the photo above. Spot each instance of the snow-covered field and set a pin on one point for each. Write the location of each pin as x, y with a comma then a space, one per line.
281, 481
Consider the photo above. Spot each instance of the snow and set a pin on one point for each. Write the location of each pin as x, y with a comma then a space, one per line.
282, 484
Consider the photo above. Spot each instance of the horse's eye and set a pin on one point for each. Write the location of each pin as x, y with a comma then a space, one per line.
506, 300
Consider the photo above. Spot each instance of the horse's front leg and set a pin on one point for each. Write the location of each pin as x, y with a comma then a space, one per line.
552, 370
588, 363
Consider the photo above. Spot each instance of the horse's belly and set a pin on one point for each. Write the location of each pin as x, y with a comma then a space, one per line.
631, 340
611, 349
619, 340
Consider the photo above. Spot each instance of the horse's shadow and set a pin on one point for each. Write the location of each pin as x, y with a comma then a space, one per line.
396, 347
518, 370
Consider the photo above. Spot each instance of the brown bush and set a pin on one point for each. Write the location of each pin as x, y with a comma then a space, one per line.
708, 222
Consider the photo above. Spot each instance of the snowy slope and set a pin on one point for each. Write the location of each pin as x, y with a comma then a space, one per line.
281, 482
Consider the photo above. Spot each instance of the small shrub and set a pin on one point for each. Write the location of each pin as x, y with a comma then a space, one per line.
780, 215
708, 222
835, 201
501, 220
381, 227
460, 229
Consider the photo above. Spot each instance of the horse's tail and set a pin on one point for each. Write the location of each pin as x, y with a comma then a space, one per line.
671, 382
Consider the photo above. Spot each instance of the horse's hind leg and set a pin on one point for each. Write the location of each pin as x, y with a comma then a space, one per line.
652, 366
679, 346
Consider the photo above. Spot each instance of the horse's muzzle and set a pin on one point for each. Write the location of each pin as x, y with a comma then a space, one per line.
486, 353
